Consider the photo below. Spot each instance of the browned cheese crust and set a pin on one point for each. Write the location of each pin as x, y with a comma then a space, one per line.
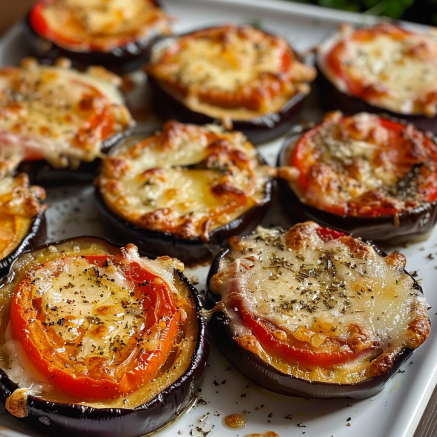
186, 180
328, 295
19, 204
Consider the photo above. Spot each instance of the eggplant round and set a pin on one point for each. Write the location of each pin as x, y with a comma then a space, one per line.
258, 129
333, 97
192, 249
269, 377
408, 225
71, 419
120, 59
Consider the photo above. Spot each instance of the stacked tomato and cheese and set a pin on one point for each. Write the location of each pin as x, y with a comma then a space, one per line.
384, 65
319, 305
363, 166
230, 72
57, 113
96, 25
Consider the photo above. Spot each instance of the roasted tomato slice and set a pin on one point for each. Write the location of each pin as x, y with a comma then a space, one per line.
97, 26
61, 115
365, 166
289, 348
335, 58
104, 328
298, 347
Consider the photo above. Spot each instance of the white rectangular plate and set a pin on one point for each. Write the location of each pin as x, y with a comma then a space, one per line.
394, 412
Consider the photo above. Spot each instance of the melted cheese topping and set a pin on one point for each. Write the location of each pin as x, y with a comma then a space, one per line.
315, 289
100, 303
84, 25
395, 71
188, 180
230, 67
58, 114
19, 204
78, 296
363, 165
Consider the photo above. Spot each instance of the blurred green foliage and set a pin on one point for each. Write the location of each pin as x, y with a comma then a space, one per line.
406, 9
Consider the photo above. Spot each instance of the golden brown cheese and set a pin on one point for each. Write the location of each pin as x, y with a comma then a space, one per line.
19, 204
57, 113
363, 165
99, 300
240, 72
99, 25
385, 65
322, 291
187, 180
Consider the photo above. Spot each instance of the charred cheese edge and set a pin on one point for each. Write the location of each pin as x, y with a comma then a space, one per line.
405, 68
19, 205
313, 290
188, 180
73, 297
101, 25
58, 113
211, 68
354, 171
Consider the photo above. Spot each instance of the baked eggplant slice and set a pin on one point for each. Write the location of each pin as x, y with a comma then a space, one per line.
249, 80
59, 115
183, 191
115, 35
99, 341
315, 313
363, 174
380, 68
22, 218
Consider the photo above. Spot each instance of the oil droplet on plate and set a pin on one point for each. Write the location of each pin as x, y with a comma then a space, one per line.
235, 421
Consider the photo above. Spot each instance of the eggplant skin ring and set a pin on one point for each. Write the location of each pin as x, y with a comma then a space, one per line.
113, 35
364, 174
315, 313
22, 216
134, 341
